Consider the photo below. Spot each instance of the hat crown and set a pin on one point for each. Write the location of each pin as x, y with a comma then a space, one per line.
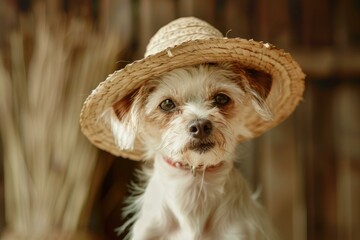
179, 31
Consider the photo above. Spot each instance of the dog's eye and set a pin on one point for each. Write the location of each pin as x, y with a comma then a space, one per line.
221, 100
167, 105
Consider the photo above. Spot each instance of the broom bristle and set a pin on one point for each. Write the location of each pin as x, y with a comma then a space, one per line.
48, 164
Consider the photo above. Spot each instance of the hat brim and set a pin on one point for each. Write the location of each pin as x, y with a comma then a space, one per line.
286, 90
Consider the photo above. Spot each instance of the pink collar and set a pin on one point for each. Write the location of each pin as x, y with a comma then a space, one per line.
192, 169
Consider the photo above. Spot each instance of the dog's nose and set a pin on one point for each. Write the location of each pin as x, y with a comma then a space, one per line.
200, 128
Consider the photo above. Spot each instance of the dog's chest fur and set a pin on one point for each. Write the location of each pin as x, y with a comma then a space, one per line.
177, 211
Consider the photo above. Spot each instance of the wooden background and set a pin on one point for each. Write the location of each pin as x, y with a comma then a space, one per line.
308, 167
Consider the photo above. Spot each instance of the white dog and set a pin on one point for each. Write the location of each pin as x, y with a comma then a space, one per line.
188, 121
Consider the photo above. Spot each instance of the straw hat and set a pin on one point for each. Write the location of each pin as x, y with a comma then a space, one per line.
190, 41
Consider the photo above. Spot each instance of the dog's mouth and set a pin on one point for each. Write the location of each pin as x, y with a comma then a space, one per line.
201, 146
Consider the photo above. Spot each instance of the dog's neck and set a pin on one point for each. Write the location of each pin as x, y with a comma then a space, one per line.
177, 177
194, 170
196, 195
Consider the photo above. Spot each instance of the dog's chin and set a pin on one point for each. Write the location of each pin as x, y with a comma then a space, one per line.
201, 147
199, 153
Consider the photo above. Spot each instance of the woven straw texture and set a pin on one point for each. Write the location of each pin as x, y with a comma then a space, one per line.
190, 41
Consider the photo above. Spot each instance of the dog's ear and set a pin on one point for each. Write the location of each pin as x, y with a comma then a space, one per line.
124, 119
256, 83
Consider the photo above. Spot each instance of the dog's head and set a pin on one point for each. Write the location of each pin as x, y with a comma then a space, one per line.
191, 115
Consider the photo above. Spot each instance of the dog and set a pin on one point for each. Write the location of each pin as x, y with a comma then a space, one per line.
188, 121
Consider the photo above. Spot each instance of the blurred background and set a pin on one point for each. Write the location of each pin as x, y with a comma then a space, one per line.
55, 185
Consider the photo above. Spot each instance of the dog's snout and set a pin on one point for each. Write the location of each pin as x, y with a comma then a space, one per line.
200, 128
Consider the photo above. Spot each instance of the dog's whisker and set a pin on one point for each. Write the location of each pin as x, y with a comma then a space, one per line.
165, 146
201, 185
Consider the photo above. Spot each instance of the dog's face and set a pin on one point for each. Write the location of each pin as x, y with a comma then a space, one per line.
191, 115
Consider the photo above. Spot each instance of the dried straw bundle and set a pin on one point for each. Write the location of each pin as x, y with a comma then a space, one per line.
48, 163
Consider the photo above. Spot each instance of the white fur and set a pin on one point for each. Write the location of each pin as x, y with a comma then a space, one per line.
124, 132
171, 203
